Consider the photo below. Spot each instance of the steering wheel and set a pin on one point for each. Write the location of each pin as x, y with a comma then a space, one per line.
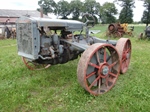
89, 20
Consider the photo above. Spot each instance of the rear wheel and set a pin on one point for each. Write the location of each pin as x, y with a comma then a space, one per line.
124, 49
98, 68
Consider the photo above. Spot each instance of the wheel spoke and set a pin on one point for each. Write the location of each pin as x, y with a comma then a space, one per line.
113, 64
104, 54
123, 65
110, 56
94, 82
126, 63
124, 52
33, 65
89, 75
112, 74
47, 66
97, 56
106, 79
99, 85
128, 50
124, 59
94, 65
126, 45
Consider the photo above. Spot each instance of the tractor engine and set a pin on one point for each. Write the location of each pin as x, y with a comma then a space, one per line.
54, 51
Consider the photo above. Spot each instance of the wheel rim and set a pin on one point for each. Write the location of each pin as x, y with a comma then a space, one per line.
33, 65
124, 49
98, 68
118, 34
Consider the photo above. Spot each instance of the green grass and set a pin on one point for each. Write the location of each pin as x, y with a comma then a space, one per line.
56, 89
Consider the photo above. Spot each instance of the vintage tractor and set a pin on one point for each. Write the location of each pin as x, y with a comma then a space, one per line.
146, 34
43, 42
115, 30
127, 31
118, 30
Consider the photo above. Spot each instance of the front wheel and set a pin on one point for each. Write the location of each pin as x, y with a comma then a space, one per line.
33, 65
98, 68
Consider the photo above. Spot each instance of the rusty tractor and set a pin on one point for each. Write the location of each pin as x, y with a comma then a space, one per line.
126, 30
115, 30
42, 42
118, 30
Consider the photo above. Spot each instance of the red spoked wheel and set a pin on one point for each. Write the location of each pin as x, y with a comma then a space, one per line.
124, 49
33, 65
98, 68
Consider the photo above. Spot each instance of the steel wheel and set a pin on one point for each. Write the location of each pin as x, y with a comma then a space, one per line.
117, 34
124, 49
98, 68
33, 65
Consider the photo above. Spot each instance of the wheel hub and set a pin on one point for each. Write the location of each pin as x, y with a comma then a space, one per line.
105, 70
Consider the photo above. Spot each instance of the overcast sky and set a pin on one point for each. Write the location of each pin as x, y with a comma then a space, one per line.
33, 5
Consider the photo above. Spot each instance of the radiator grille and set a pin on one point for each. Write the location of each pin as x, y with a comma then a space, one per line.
24, 38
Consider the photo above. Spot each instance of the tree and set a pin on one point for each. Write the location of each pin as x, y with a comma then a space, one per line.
146, 14
76, 9
126, 14
108, 10
91, 7
48, 6
63, 9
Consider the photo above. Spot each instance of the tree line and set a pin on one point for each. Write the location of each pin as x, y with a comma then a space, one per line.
106, 13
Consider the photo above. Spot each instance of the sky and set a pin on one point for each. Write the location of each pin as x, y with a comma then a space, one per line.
33, 5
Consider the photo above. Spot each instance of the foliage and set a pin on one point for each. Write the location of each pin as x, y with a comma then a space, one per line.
146, 13
63, 8
145, 17
49, 6
76, 9
126, 14
108, 10
96, 20
91, 7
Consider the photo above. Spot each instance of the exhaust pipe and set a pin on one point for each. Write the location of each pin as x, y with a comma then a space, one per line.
41, 11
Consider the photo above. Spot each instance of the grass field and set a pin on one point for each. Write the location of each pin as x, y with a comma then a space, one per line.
56, 89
